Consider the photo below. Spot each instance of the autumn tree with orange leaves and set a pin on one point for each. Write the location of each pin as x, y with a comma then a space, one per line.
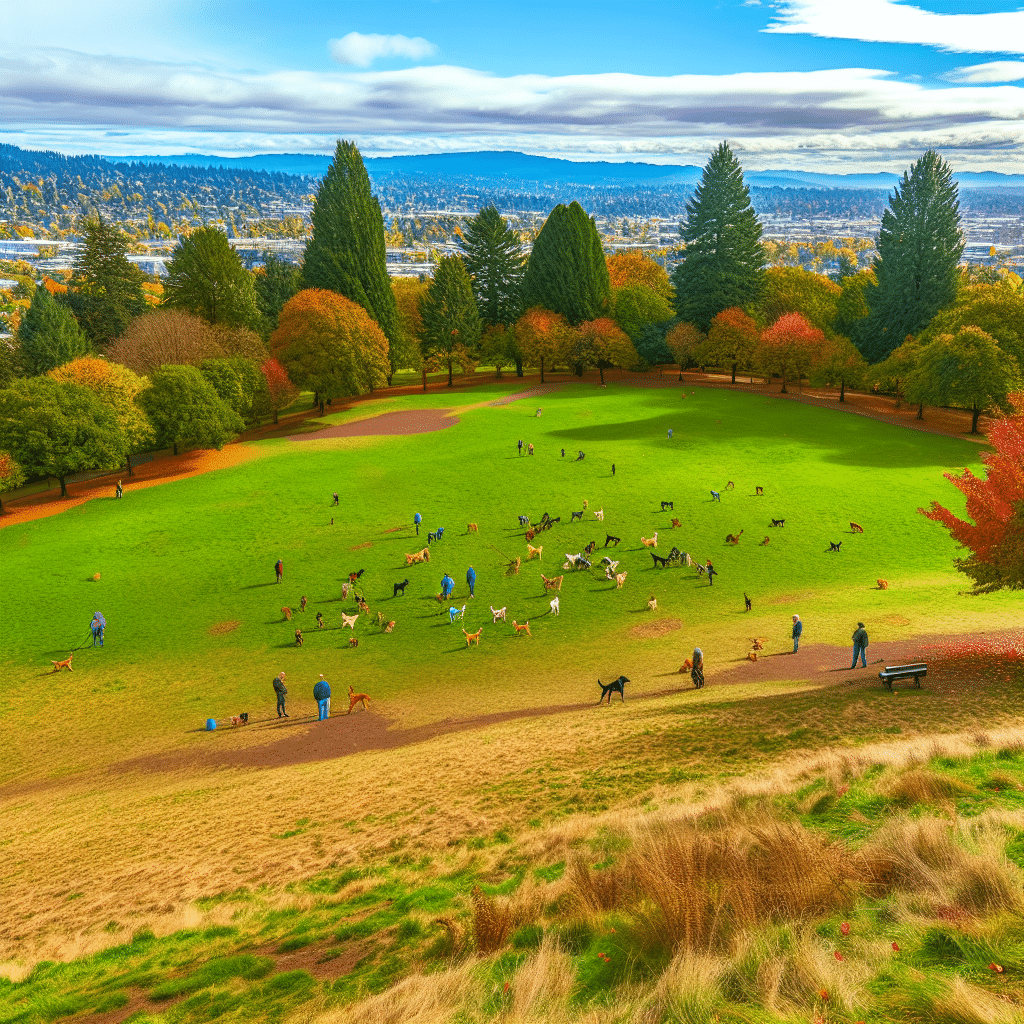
542, 337
687, 343
329, 345
732, 339
601, 343
282, 391
996, 504
788, 346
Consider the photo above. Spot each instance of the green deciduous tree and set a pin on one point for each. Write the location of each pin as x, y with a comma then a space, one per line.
919, 248
837, 361
450, 315
345, 252
795, 290
54, 428
997, 308
238, 382
493, 254
105, 292
205, 277
567, 272
851, 306
636, 307
49, 335
895, 374
186, 411
498, 347
11, 474
732, 340
723, 262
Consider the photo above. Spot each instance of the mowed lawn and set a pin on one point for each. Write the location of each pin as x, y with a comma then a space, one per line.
181, 563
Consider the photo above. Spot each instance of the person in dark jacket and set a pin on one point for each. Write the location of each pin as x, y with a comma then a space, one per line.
471, 579
279, 570
417, 519
798, 628
322, 696
98, 625
280, 689
860, 645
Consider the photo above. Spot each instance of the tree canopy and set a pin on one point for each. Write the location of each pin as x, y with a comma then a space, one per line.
493, 254
49, 335
542, 336
166, 337
687, 344
636, 307
723, 261
788, 346
633, 266
282, 391
795, 290
601, 343
451, 320
275, 282
732, 339
186, 411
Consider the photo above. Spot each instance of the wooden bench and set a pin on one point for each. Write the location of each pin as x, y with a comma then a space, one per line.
894, 672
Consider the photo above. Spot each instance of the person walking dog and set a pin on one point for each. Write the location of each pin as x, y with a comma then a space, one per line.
322, 696
860, 645
281, 690
98, 625
697, 672
471, 580
798, 628
279, 570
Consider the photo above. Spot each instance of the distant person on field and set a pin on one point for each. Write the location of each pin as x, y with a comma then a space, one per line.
119, 490
697, 672
860, 645
322, 696
563, 453
417, 519
670, 433
335, 502
712, 573
98, 625
471, 580
613, 469
520, 446
798, 628
279, 570
281, 690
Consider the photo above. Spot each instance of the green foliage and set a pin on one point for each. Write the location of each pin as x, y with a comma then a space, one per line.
636, 307
795, 290
723, 262
997, 309
837, 361
451, 319
215, 972
567, 272
919, 248
239, 382
186, 411
275, 282
345, 252
105, 293
851, 306
49, 335
55, 429
205, 277
493, 254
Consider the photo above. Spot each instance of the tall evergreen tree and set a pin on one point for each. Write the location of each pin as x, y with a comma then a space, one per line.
345, 252
919, 248
450, 316
276, 282
49, 335
493, 254
567, 272
723, 263
105, 293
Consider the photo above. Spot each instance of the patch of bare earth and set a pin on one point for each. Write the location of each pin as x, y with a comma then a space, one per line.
406, 421
365, 544
224, 627
652, 630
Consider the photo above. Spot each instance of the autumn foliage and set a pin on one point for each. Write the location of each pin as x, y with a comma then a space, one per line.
542, 336
732, 338
996, 504
166, 337
633, 267
789, 345
282, 390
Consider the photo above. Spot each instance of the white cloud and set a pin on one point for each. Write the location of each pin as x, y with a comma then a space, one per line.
360, 51
993, 71
890, 21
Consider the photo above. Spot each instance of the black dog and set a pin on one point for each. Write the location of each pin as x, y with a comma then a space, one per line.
668, 504
612, 540
607, 689
778, 522
747, 602
659, 561
400, 588
578, 515
353, 576
834, 547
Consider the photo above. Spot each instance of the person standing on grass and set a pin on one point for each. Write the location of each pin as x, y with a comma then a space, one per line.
281, 690
417, 519
447, 586
98, 625
335, 502
798, 628
710, 569
471, 580
119, 490
322, 696
697, 672
279, 570
860, 645
520, 446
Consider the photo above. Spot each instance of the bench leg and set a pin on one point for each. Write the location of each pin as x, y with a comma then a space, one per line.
887, 683
917, 682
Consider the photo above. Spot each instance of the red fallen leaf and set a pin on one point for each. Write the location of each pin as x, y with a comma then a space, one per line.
996, 968
845, 927
896, 947
505, 989
612, 932
838, 955
823, 994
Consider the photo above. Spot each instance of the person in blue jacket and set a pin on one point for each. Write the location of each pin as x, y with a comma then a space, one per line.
798, 628
98, 625
417, 519
447, 585
322, 696
471, 580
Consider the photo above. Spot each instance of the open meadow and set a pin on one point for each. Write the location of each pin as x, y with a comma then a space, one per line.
484, 836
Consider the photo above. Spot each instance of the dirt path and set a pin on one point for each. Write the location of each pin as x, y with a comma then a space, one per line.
405, 421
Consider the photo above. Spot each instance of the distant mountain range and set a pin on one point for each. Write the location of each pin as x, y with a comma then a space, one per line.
522, 167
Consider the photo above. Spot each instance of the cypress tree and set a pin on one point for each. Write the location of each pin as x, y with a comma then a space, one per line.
345, 252
449, 311
723, 263
493, 254
919, 249
567, 272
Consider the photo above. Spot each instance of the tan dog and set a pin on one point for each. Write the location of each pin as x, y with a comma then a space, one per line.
471, 528
599, 515
766, 541
620, 579
649, 542
498, 613
390, 627
413, 558
425, 555
472, 638
686, 666
513, 567
520, 629
349, 621
855, 528
363, 607
883, 584
357, 698
757, 642
752, 655
346, 587
532, 552
380, 619
66, 663
353, 641
287, 613
675, 524
652, 604
555, 583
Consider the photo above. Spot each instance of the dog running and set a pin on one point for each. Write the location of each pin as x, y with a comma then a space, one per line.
357, 698
607, 689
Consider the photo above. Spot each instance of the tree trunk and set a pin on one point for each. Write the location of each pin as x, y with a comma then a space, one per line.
920, 411
600, 370
734, 365
450, 361
174, 447
1, 506
519, 367
498, 374
316, 399
275, 415
542, 369
391, 377
783, 391
131, 472
63, 486
975, 413
321, 407
424, 379
842, 389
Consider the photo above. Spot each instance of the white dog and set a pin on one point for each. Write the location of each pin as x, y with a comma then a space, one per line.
610, 566
599, 515
498, 613
554, 606
349, 620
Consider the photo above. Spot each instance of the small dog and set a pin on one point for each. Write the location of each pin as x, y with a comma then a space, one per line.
425, 554
589, 549
767, 540
778, 522
659, 562
607, 689
413, 559
361, 604
380, 619
473, 638
577, 516
757, 642
498, 613
730, 486
620, 579
856, 528
733, 538
520, 629
606, 561
513, 567
554, 606
652, 603
686, 666
676, 524
612, 540
524, 520
349, 621
242, 719
746, 601
353, 641
303, 603
66, 663
400, 588
752, 655
353, 576
758, 490
431, 537
715, 496
471, 528
529, 535
346, 587
599, 515
456, 613
298, 638
833, 546
319, 620
668, 505
555, 583
532, 552
882, 585
287, 613
390, 627
650, 542
357, 698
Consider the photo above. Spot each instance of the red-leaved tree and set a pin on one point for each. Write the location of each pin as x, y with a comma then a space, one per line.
282, 391
788, 346
996, 504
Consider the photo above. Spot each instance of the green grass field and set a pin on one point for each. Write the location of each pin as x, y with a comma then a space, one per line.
195, 631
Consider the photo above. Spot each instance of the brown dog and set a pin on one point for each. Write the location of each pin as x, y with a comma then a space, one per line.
856, 528
471, 528
473, 638
353, 641
66, 663
882, 585
357, 698
521, 629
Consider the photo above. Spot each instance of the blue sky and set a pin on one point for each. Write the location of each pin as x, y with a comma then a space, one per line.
812, 84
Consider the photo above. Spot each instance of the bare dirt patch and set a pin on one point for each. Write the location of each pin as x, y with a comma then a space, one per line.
652, 630
404, 422
365, 544
224, 627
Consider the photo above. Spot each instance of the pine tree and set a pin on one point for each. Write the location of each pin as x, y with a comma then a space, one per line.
919, 248
450, 317
567, 272
49, 335
493, 254
723, 263
345, 252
